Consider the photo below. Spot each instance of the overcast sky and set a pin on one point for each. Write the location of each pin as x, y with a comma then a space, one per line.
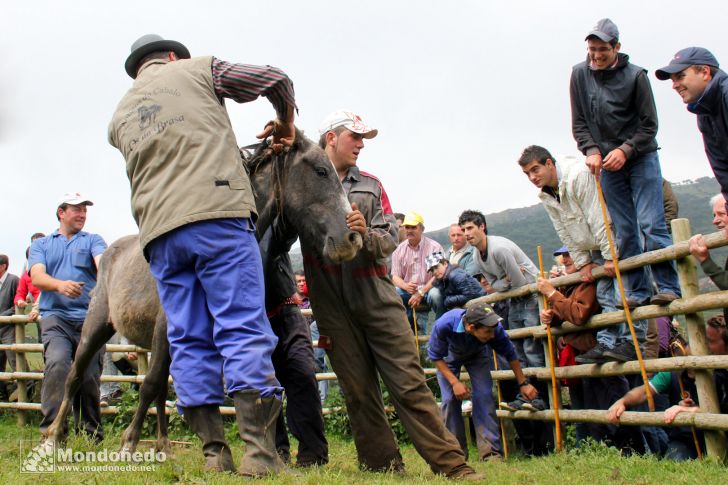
457, 90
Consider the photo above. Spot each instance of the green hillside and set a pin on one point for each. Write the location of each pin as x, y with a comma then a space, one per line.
530, 226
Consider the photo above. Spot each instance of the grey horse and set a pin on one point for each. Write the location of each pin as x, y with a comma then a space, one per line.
299, 187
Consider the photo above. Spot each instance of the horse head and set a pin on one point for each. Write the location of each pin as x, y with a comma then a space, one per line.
301, 188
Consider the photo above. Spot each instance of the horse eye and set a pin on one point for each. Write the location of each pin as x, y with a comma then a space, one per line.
321, 172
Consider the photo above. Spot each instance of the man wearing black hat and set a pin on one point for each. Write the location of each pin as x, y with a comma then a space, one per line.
614, 122
464, 338
194, 206
703, 86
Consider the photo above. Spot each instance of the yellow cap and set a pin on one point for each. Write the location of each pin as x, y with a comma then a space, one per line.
413, 219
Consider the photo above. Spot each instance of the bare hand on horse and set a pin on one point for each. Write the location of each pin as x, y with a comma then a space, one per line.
284, 134
355, 220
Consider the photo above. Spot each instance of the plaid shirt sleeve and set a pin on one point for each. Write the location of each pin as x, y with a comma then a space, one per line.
245, 82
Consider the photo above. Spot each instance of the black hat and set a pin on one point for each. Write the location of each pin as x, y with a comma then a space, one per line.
690, 56
146, 44
481, 314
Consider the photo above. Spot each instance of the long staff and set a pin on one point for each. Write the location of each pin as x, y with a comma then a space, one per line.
685, 395
502, 427
627, 311
552, 361
417, 339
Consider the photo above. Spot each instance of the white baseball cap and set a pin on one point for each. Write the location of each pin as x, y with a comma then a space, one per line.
73, 198
350, 121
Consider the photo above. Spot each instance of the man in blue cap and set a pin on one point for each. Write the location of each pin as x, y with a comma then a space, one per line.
703, 86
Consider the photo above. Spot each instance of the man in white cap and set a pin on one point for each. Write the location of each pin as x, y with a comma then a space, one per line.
63, 266
696, 76
363, 324
192, 200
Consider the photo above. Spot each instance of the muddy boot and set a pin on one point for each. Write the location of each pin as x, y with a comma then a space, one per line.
206, 422
256, 418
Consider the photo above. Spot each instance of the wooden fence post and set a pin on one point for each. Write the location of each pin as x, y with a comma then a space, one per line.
687, 271
21, 365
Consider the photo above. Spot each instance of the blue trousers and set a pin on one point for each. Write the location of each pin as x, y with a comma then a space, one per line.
487, 431
634, 199
210, 281
522, 313
433, 298
607, 296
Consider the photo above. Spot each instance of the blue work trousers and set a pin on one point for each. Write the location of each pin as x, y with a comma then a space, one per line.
634, 200
210, 281
487, 431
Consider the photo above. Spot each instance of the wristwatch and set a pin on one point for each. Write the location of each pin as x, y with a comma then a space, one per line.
526, 382
422, 293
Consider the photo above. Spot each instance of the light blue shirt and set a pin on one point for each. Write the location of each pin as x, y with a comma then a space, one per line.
67, 259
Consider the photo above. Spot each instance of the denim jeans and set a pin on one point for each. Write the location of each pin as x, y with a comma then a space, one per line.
433, 298
523, 312
487, 430
110, 369
607, 297
634, 199
320, 361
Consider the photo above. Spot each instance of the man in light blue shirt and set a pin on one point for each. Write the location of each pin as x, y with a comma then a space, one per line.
64, 265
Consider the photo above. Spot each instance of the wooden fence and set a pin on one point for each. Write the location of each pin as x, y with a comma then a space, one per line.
690, 305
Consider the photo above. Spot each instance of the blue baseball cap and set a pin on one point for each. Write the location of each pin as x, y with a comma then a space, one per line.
561, 250
690, 56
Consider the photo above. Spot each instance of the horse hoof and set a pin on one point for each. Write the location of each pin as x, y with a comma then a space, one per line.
165, 446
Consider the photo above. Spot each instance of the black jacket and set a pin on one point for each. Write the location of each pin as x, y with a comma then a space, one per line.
458, 287
712, 111
613, 108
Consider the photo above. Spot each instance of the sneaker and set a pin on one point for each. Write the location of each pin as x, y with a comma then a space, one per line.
623, 352
631, 303
111, 399
593, 356
663, 298
534, 405
515, 405
492, 457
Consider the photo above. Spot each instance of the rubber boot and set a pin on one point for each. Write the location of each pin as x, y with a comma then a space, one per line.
206, 422
256, 418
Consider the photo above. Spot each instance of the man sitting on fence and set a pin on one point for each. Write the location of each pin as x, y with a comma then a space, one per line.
464, 338
64, 265
682, 445
576, 304
409, 272
456, 286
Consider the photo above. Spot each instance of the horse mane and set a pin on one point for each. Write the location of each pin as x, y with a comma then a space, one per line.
258, 155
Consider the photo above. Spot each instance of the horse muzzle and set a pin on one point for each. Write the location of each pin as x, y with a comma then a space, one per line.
340, 250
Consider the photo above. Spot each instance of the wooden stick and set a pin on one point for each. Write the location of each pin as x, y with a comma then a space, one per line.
500, 420
552, 361
627, 311
417, 340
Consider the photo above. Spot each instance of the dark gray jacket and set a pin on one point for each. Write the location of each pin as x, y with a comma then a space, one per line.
613, 108
712, 111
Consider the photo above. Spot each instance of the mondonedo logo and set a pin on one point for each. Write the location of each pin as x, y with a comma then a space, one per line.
47, 458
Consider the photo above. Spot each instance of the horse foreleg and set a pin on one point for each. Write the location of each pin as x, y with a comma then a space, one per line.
96, 332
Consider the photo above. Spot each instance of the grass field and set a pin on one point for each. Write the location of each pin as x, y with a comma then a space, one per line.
594, 465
